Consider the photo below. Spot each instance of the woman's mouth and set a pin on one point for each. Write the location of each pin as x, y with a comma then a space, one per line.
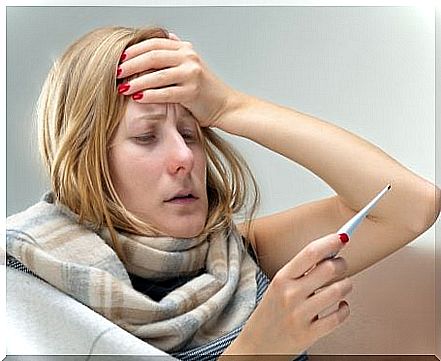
182, 199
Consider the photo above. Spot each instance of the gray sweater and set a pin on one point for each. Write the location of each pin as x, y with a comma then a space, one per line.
41, 320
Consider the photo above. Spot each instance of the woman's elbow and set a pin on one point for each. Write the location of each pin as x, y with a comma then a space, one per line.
432, 207
437, 205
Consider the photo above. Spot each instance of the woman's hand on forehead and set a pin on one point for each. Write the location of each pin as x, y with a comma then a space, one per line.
170, 71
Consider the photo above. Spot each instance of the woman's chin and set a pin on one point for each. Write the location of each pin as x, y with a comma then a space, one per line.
184, 230
186, 233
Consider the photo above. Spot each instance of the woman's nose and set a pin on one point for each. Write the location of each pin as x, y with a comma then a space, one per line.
180, 157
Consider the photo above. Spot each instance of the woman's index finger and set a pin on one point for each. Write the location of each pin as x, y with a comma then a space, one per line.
313, 253
174, 36
147, 45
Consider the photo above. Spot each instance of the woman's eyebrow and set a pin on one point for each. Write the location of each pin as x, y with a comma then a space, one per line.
145, 119
157, 116
139, 122
188, 117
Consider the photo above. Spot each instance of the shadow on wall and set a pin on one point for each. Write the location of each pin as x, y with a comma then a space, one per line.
392, 309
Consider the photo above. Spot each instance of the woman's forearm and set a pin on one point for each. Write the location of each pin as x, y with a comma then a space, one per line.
353, 167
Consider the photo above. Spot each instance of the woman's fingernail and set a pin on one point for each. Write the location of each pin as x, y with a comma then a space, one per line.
118, 71
344, 237
123, 87
137, 96
123, 57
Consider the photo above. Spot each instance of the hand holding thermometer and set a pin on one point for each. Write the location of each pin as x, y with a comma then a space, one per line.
350, 226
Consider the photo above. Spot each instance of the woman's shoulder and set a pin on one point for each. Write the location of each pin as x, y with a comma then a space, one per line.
18, 223
46, 199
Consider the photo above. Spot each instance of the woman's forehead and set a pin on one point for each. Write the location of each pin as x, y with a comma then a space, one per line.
139, 115
155, 109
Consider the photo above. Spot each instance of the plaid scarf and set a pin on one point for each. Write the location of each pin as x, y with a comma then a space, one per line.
48, 239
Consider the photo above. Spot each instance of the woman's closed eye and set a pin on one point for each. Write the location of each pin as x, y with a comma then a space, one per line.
189, 136
147, 138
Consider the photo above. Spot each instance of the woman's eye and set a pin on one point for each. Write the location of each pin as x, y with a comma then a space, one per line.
145, 139
189, 136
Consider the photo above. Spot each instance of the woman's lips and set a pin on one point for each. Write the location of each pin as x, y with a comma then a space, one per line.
183, 200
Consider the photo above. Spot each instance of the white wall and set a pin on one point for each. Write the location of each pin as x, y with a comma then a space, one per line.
369, 70
437, 175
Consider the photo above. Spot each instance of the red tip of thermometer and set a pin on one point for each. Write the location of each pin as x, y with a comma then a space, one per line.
350, 226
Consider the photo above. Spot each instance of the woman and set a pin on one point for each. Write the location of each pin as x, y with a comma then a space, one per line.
139, 225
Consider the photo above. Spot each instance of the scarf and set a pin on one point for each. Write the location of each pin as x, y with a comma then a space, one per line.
78, 260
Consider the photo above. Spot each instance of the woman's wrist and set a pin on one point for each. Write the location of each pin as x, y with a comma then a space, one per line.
243, 349
237, 351
232, 117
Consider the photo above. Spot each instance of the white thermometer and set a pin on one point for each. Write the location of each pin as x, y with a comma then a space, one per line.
350, 226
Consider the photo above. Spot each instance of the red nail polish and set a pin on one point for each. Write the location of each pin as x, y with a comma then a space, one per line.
123, 87
137, 96
123, 57
344, 237
118, 71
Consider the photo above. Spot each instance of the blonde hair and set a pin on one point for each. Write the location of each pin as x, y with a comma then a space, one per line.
78, 112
